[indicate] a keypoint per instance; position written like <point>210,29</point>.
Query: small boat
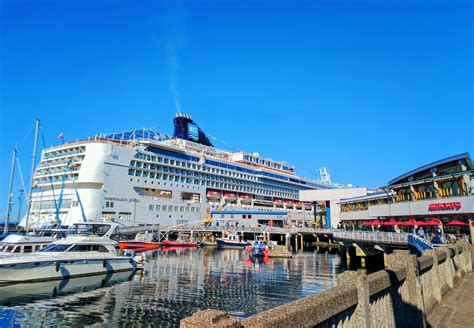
<point>213,195</point>
<point>138,246</point>
<point>245,199</point>
<point>230,197</point>
<point>86,251</point>
<point>176,243</point>
<point>231,241</point>
<point>207,243</point>
<point>258,248</point>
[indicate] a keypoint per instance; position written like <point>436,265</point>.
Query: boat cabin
<point>22,244</point>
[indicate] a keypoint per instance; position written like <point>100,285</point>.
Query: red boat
<point>138,245</point>
<point>174,243</point>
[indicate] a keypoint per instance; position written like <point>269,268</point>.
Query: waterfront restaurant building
<point>443,189</point>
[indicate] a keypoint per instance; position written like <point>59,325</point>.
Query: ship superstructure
<point>145,177</point>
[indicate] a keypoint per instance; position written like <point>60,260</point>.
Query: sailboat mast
<point>32,174</point>
<point>10,194</point>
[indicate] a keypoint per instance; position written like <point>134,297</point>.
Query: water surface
<point>176,284</point>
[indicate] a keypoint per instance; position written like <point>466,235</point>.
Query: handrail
<point>373,236</point>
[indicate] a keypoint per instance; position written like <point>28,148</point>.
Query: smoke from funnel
<point>174,35</point>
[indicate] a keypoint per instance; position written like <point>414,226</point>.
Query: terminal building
<point>443,189</point>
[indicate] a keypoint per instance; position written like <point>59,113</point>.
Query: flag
<point>61,136</point>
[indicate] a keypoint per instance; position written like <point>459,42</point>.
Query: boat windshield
<point>55,248</point>
<point>89,229</point>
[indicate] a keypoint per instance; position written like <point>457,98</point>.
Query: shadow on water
<point>176,283</point>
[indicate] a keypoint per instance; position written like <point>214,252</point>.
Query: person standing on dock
<point>421,232</point>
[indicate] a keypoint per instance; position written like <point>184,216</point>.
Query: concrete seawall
<point>399,296</point>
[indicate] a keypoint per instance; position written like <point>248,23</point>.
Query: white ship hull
<point>62,269</point>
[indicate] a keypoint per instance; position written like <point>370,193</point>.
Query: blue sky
<point>369,89</point>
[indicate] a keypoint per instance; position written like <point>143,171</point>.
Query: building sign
<point>444,206</point>
<point>193,132</point>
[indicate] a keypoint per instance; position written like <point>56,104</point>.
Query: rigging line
<point>26,136</point>
<point>21,175</point>
<point>48,169</point>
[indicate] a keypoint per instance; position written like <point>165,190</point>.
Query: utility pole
<point>10,194</point>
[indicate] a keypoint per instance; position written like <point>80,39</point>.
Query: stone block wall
<point>398,296</point>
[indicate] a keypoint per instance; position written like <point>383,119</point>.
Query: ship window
<point>100,249</point>
<point>55,248</point>
<point>150,207</point>
<point>80,248</point>
<point>157,207</point>
<point>27,249</point>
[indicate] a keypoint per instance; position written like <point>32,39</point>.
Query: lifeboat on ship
<point>213,195</point>
<point>278,202</point>
<point>298,205</point>
<point>230,197</point>
<point>245,199</point>
<point>289,203</point>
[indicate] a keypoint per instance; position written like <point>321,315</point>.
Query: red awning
<point>457,223</point>
<point>434,222</point>
<point>391,222</point>
<point>420,223</point>
<point>410,222</point>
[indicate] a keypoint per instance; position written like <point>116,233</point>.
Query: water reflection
<point>177,283</point>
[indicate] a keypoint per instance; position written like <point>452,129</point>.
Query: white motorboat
<point>86,251</point>
<point>16,244</point>
<point>23,244</point>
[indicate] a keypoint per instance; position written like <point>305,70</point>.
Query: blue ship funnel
<point>185,128</point>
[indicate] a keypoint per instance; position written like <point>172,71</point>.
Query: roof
<point>250,212</point>
<point>463,156</point>
<point>377,195</point>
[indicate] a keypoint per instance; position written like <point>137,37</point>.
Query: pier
<point>358,248</point>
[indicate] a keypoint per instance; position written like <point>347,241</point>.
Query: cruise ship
<point>145,177</point>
